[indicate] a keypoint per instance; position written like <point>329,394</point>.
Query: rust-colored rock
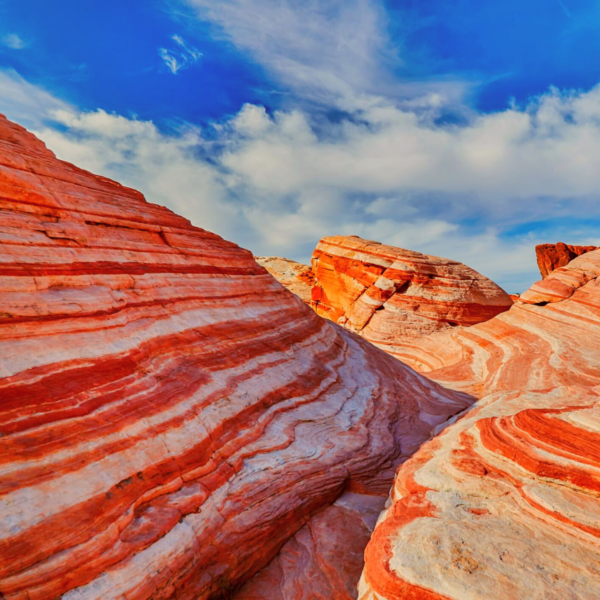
<point>294,276</point>
<point>308,566</point>
<point>553,256</point>
<point>505,503</point>
<point>170,416</point>
<point>387,294</point>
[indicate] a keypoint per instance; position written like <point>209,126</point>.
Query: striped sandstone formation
<point>296,277</point>
<point>505,503</point>
<point>387,294</point>
<point>553,256</point>
<point>169,415</point>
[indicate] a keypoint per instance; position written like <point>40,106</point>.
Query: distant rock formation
<point>505,503</point>
<point>553,256</point>
<point>386,293</point>
<point>170,416</point>
<point>296,277</point>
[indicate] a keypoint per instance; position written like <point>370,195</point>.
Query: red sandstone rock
<point>505,502</point>
<point>296,277</point>
<point>386,293</point>
<point>308,566</point>
<point>562,282</point>
<point>170,416</point>
<point>553,256</point>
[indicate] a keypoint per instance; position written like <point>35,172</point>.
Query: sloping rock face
<point>169,415</point>
<point>296,277</point>
<point>386,293</point>
<point>309,566</point>
<point>505,503</point>
<point>553,256</point>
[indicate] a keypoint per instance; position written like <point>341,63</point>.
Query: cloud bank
<point>353,150</point>
<point>276,183</point>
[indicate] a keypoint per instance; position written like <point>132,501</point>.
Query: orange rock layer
<point>170,416</point>
<point>296,277</point>
<point>505,503</point>
<point>553,256</point>
<point>386,293</point>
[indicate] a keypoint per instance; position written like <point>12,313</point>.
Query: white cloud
<point>548,149</point>
<point>276,183</point>
<point>182,56</point>
<point>24,102</point>
<point>14,41</point>
<point>316,47</point>
<point>335,52</point>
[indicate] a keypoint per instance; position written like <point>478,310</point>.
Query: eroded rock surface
<point>308,566</point>
<point>387,294</point>
<point>505,503</point>
<point>296,277</point>
<point>553,256</point>
<point>170,416</point>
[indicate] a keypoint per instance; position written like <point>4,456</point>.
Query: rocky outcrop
<point>388,294</point>
<point>505,503</point>
<point>553,256</point>
<point>296,277</point>
<point>170,416</point>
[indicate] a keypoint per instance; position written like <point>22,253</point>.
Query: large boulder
<point>387,294</point>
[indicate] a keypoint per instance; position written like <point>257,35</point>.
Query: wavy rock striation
<point>296,277</point>
<point>553,256</point>
<point>505,503</point>
<point>386,293</point>
<point>169,415</point>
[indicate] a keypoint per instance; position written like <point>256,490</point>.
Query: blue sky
<point>465,129</point>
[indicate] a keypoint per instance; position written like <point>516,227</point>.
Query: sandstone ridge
<point>505,502</point>
<point>294,276</point>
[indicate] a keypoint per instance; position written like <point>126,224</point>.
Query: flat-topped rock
<point>386,293</point>
<point>553,256</point>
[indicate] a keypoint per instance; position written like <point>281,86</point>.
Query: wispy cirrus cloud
<point>335,52</point>
<point>14,41</point>
<point>180,56</point>
<point>318,48</point>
